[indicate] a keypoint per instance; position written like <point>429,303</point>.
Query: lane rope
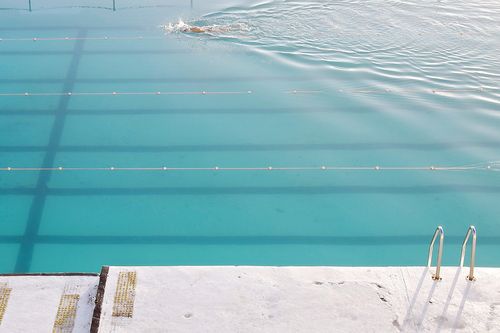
<point>118,93</point>
<point>246,92</point>
<point>46,39</point>
<point>486,166</point>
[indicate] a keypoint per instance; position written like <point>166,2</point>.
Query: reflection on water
<point>338,83</point>
<point>441,44</point>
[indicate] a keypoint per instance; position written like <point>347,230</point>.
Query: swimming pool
<point>311,133</point>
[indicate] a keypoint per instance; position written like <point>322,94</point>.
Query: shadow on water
<point>25,255</point>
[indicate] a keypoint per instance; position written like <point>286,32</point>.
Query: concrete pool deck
<point>259,299</point>
<point>47,302</point>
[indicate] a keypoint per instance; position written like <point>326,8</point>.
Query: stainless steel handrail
<point>471,230</point>
<point>439,231</point>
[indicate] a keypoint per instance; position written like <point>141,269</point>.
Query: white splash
<point>180,26</point>
<point>213,29</point>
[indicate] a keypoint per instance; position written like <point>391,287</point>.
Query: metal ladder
<point>440,232</point>
<point>471,230</point>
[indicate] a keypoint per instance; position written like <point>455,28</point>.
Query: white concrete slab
<point>305,299</point>
<point>34,301</point>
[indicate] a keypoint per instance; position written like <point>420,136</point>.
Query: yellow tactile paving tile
<point>123,304</point>
<point>4,299</point>
<point>66,313</point>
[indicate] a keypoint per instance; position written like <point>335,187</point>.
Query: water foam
<point>235,29</point>
<point>176,27</point>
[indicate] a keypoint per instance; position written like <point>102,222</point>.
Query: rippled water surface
<point>284,133</point>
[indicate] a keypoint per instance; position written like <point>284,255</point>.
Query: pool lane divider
<point>116,93</point>
<point>248,92</point>
<point>45,39</point>
<point>486,166</point>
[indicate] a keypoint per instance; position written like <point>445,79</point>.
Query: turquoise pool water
<point>282,84</point>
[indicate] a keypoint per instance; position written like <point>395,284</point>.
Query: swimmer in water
<point>197,30</point>
<point>185,28</point>
<point>200,30</point>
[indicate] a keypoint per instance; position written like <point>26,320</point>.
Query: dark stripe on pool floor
<point>246,240</point>
<point>256,147</point>
<point>25,255</point>
<point>251,190</point>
